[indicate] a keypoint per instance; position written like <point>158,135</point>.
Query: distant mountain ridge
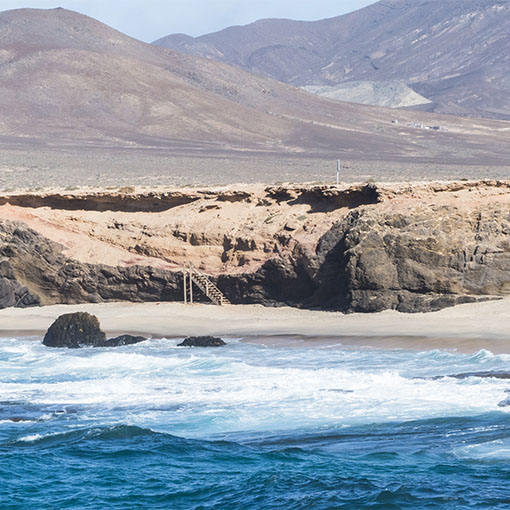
<point>454,53</point>
<point>69,80</point>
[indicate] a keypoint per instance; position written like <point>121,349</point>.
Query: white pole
<point>338,172</point>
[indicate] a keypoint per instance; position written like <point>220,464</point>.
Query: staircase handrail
<point>210,286</point>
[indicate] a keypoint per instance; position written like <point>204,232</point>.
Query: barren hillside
<point>68,80</point>
<point>455,53</point>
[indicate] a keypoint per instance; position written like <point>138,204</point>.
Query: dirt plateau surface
<point>360,248</point>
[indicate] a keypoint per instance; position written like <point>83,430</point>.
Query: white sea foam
<point>490,451</point>
<point>31,438</point>
<point>244,387</point>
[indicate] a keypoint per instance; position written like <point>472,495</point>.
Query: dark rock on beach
<point>75,330</point>
<point>123,340</point>
<point>202,341</point>
<point>81,329</point>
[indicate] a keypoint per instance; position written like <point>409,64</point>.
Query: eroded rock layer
<point>365,248</point>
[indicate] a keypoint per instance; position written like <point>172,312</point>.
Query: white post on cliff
<point>337,172</point>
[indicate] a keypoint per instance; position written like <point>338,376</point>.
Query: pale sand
<point>466,328</point>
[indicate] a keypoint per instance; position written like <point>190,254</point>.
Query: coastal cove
<point>356,248</point>
<point>266,268</point>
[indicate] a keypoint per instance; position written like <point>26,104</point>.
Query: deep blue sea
<point>245,427</point>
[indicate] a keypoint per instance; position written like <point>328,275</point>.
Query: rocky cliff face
<point>35,271</point>
<point>423,259</point>
<point>371,248</point>
<point>413,263</point>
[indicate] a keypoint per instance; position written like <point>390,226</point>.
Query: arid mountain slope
<point>66,79</point>
<point>65,74</point>
<point>455,53</point>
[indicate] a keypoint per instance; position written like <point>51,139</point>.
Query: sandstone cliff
<point>365,248</point>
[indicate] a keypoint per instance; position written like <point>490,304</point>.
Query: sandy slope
<point>234,228</point>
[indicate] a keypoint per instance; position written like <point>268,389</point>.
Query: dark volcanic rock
<point>75,330</point>
<point>481,375</point>
<point>279,282</point>
<point>202,341</point>
<point>81,329</point>
<point>12,293</point>
<point>425,261</point>
<point>53,278</point>
<point>506,401</point>
<point>123,340</point>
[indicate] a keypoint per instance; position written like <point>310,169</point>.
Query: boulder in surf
<point>202,341</point>
<point>81,329</point>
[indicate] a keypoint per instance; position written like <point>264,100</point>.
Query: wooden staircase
<point>194,276</point>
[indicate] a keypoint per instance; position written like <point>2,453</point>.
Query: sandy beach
<point>465,328</point>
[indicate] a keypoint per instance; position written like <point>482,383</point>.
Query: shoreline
<point>465,328</point>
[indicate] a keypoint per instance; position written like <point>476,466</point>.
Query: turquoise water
<point>250,427</point>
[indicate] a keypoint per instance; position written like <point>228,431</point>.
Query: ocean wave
<point>122,440</point>
<point>248,388</point>
<point>112,433</point>
<point>498,450</point>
